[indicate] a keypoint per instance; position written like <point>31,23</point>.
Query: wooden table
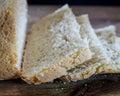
<point>100,85</point>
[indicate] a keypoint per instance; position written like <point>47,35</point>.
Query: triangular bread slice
<point>99,59</point>
<point>112,43</point>
<point>13,19</point>
<point>53,47</point>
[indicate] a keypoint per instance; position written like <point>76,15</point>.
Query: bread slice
<point>53,47</point>
<point>13,20</point>
<point>112,43</point>
<point>99,59</point>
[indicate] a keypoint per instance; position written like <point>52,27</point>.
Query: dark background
<point>75,2</point>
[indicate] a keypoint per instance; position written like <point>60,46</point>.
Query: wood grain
<point>99,85</point>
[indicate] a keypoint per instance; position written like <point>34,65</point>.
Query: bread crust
<point>8,46</point>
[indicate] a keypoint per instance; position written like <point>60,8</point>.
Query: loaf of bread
<point>13,18</point>
<point>58,45</point>
<point>54,46</point>
<point>100,57</point>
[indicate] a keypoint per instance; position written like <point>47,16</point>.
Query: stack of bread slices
<point>59,45</point>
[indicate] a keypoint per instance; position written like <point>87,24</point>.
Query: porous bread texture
<point>112,44</point>
<point>53,47</point>
<point>99,58</point>
<point>108,31</point>
<point>12,34</point>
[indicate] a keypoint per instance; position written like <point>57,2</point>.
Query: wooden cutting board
<point>98,85</point>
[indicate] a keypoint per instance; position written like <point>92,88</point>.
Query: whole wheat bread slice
<point>13,19</point>
<point>99,59</point>
<point>53,47</point>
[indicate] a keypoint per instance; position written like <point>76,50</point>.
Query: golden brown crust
<point>8,46</point>
<point>59,69</point>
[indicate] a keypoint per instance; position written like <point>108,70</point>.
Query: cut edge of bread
<point>56,70</point>
<point>21,25</point>
<point>112,43</point>
<point>107,35</point>
<point>89,68</point>
<point>111,29</point>
<point>60,68</point>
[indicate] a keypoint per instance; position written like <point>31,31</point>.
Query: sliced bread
<point>13,18</point>
<point>99,59</point>
<point>54,46</point>
<point>112,44</point>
